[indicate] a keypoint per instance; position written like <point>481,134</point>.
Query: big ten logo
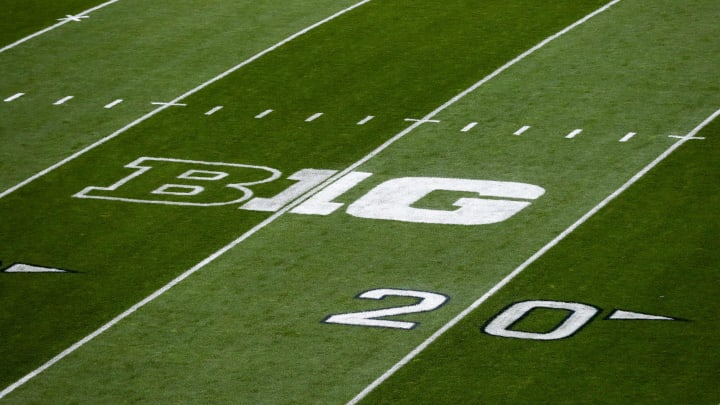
<point>184,182</point>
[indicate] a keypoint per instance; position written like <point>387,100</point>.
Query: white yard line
<point>176,101</point>
<point>282,211</point>
<point>497,287</point>
<point>63,21</point>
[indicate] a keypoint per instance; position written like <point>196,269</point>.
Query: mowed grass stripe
<point>652,250</point>
<point>216,226</point>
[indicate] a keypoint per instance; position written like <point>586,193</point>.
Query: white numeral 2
<point>428,302</point>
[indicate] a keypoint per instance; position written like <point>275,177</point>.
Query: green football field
<point>466,201</point>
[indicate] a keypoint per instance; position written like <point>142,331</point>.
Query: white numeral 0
<point>580,315</point>
<point>428,302</point>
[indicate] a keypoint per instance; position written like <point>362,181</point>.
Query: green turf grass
<point>248,326</point>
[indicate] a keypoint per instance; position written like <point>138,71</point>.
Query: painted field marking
<point>365,120</point>
<point>627,136</point>
<point>686,137</point>
<point>497,287</point>
<point>63,100</point>
<point>214,110</point>
<point>76,18</point>
<point>468,127</point>
<point>263,114</point>
<point>177,280</point>
<point>573,134</point>
<point>14,97</point>
<point>29,268</point>
<point>422,120</point>
<point>113,103</point>
<point>67,19</point>
<point>168,104</point>
<point>313,117</point>
<point>620,314</point>
<point>521,130</point>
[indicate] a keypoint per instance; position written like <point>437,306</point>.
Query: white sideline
<point>405,360</point>
<point>176,100</point>
<point>56,25</point>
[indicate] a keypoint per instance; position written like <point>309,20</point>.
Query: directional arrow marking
<point>620,314</point>
<point>29,268</point>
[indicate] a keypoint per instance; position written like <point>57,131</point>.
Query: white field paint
<point>144,164</point>
<point>76,18</point>
<point>264,113</point>
<point>627,136</point>
<point>214,110</point>
<point>317,189</point>
<point>321,202</point>
<point>422,120</point>
<point>685,136</point>
<point>429,301</point>
<point>468,127</point>
<point>497,287</point>
<point>29,268</point>
<point>307,179</point>
<point>14,97</point>
<point>313,117</point>
<point>637,316</point>
<point>179,98</point>
<point>521,130</point>
<point>113,103</point>
<point>63,21</point>
<point>394,200</point>
<point>573,134</point>
<point>168,104</point>
<point>365,120</point>
<point>63,100</point>
<point>580,315</point>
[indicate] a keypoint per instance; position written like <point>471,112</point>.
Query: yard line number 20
<point>578,315</point>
